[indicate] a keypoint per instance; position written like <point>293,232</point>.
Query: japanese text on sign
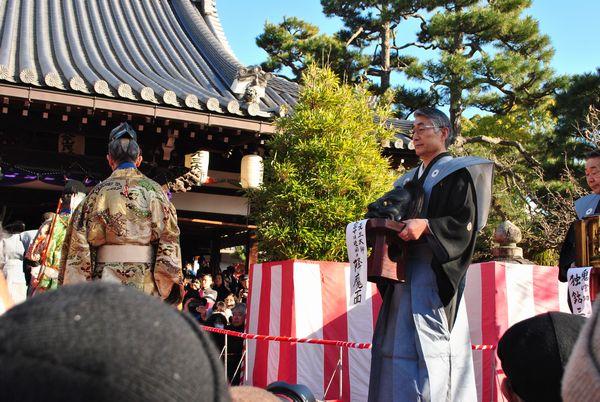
<point>579,290</point>
<point>356,241</point>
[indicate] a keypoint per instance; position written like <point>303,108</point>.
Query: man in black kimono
<point>421,343</point>
<point>584,206</point>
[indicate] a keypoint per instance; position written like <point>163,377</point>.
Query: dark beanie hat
<point>534,352</point>
<point>101,341</point>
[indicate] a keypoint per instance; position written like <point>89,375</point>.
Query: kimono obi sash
<point>125,253</point>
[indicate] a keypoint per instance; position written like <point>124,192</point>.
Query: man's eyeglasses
<point>419,130</point>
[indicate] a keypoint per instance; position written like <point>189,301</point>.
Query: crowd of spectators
<point>218,300</point>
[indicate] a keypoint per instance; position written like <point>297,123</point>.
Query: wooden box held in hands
<point>382,234</point>
<point>587,249</point>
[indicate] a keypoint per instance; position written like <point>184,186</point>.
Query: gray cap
<point>101,341</point>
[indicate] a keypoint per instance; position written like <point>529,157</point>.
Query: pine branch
<point>499,141</point>
<point>354,35</point>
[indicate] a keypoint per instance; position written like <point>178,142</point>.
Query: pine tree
<point>490,57</point>
<point>293,44</point>
<point>373,25</point>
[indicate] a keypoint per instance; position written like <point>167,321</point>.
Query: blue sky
<point>572,27</point>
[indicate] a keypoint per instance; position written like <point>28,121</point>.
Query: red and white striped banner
<point>305,299</point>
<point>499,295</point>
<point>310,300</point>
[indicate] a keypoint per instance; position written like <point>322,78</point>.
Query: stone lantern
<point>507,235</point>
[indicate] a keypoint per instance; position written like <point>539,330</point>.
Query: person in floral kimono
<point>46,248</point>
<point>126,229</point>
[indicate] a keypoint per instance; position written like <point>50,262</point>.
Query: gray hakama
<point>418,355</point>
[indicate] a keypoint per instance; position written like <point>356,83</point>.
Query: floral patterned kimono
<point>46,249</point>
<point>126,231</point>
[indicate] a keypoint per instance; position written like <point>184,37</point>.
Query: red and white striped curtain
<point>311,299</point>
<point>497,296</point>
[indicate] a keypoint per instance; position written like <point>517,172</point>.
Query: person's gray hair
<point>439,120</point>
<point>241,307</point>
<point>123,150</point>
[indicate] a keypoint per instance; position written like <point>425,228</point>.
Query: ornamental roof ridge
<point>208,9</point>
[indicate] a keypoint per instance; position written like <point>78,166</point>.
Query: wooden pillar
<point>215,255</point>
<point>251,250</point>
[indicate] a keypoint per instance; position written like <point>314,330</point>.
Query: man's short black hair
<point>594,153</point>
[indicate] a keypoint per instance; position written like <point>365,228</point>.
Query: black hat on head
<point>100,341</point>
<point>534,352</point>
<point>123,130</point>
<point>73,187</point>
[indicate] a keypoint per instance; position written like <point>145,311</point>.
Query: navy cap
<point>122,130</point>
<point>534,352</point>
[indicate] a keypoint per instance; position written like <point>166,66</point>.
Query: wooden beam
<point>210,119</point>
<point>216,223</point>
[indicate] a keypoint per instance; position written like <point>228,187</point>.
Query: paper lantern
<point>198,164</point>
<point>251,171</point>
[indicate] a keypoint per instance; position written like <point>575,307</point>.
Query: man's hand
<point>413,229</point>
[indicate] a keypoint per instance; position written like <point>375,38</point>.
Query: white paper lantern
<point>198,164</point>
<point>251,171</point>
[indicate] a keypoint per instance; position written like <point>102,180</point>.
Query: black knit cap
<point>100,341</point>
<point>534,353</point>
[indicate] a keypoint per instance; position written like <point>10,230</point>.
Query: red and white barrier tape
<point>353,345</point>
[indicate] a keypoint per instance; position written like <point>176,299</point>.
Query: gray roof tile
<point>163,52</point>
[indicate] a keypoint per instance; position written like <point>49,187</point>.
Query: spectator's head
<point>123,146</point>
<point>217,320</point>
<point>73,193</point>
<point>230,301</point>
<point>218,280</point>
<point>219,307</point>
<point>15,227</point>
<point>245,281</point>
<point>198,307</point>
<point>238,317</point>
<point>581,381</point>
<point>206,281</point>
<point>195,284</point>
<point>592,170</point>
<point>534,352</point>
<point>102,341</point>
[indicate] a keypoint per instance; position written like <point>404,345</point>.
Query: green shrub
<point>323,168</point>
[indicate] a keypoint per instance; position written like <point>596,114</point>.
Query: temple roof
<point>163,52</point>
